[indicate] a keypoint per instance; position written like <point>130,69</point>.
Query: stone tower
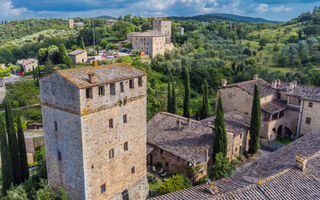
<point>95,131</point>
<point>71,23</point>
<point>163,26</point>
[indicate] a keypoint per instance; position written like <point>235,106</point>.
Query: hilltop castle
<point>95,131</point>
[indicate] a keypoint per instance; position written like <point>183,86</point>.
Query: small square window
<point>112,89</point>
<point>308,120</point>
<point>140,81</point>
<point>131,83</point>
<point>167,164</point>
<point>110,123</point>
<point>101,90</point>
<point>236,149</point>
<point>103,188</point>
<point>121,87</point>
<point>89,93</point>
<point>111,153</point>
<point>240,135</point>
<point>161,151</point>
<point>59,156</point>
<point>55,126</point>
<point>125,119</point>
<point>133,170</point>
<point>126,146</point>
<point>310,104</point>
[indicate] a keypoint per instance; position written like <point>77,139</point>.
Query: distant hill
<point>222,16</point>
<point>105,17</point>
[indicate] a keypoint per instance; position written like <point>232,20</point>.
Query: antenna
<point>94,42</point>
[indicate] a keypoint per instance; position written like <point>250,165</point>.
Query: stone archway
<point>288,132</point>
<point>279,131</point>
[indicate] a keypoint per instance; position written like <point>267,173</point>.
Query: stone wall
<point>2,94</point>
<point>237,142</point>
<point>310,112</point>
<point>163,26</point>
<point>57,92</point>
<point>99,139</point>
<point>68,172</point>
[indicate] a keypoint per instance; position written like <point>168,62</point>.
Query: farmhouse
<point>78,56</point>
<point>28,64</point>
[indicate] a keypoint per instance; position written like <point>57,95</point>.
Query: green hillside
<point>20,28</point>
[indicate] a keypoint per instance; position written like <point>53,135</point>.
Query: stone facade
<point>95,135</point>
<point>163,26</point>
<point>155,41</point>
<point>78,56</point>
<point>110,22</point>
<point>2,91</point>
<point>286,108</point>
<point>28,64</point>
<point>33,139</point>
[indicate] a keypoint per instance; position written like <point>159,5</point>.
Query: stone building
<point>292,172</point>
<point>163,26</point>
<point>73,24</point>
<point>94,121</point>
<point>110,22</point>
<point>179,143</point>
<point>28,64</point>
<point>287,109</point>
<point>2,66</point>
<point>181,30</point>
<point>78,56</point>
<point>2,91</point>
<point>155,41</point>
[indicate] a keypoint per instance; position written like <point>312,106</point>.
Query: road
<point>14,78</point>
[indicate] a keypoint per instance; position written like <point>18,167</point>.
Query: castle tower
<point>95,131</point>
<point>71,23</point>
<point>163,26</point>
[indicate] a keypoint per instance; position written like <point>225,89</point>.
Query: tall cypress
<point>65,59</point>
<point>23,151</point>
<point>204,112</point>
<point>169,108</point>
<point>13,143</point>
<point>174,98</point>
<point>6,164</point>
<point>82,43</point>
<point>186,102</point>
<point>255,122</point>
<point>220,140</point>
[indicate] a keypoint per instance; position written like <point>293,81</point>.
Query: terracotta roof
<point>273,107</point>
<point>189,142</point>
<point>76,52</point>
<point>104,74</point>
<point>273,176</point>
<point>306,92</point>
<point>150,33</point>
<point>248,86</point>
<point>236,122</point>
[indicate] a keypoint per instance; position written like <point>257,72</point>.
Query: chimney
<point>92,77</point>
<point>55,69</point>
<point>274,84</point>
<point>189,121</point>
<point>301,162</point>
<point>178,124</point>
<point>295,83</point>
<point>224,82</point>
<point>95,63</point>
<point>256,77</point>
<point>291,86</point>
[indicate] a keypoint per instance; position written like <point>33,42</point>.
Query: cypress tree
<point>65,59</point>
<point>82,43</point>
<point>186,102</point>
<point>169,108</point>
<point>23,151</point>
<point>255,122</point>
<point>174,99</point>
<point>204,112</point>
<point>6,164</point>
<point>13,143</point>
<point>220,141</point>
<point>33,74</point>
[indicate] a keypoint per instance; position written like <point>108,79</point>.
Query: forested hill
<point>20,28</point>
<point>223,16</point>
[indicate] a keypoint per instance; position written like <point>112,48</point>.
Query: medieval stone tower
<point>95,131</point>
<point>163,26</point>
<point>71,23</point>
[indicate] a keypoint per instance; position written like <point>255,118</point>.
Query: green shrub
<point>221,168</point>
<point>175,183</point>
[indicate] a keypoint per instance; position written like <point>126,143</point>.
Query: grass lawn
<point>154,187</point>
<point>284,140</point>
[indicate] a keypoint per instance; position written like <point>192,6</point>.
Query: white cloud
<point>8,11</point>
<point>280,8</point>
<point>262,7</point>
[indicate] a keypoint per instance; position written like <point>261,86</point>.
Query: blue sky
<point>280,10</point>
